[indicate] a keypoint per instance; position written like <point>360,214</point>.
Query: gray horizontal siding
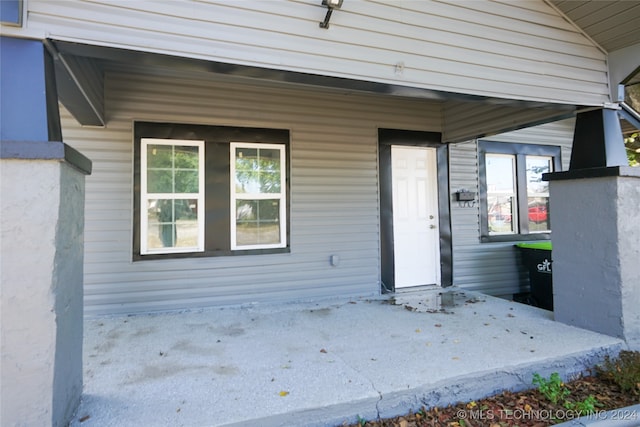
<point>493,268</point>
<point>334,193</point>
<point>515,50</point>
<point>558,133</point>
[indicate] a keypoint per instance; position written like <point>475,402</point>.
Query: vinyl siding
<point>334,192</point>
<point>513,50</point>
<point>493,268</point>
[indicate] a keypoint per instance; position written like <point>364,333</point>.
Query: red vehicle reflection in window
<point>538,213</point>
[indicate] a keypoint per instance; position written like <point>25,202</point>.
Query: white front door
<point>416,238</point>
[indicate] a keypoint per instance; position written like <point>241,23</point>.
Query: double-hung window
<point>172,196</point>
<point>514,199</point>
<point>209,190</point>
<point>257,196</point>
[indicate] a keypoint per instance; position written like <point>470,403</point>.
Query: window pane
<point>270,182</point>
<point>172,169</point>
<point>500,173</point>
<point>538,214</point>
<point>186,157</point>
<point>538,193</point>
<point>172,223</point>
<point>160,181</point>
<point>247,173</point>
<point>186,181</point>
<point>257,222</point>
<point>500,217</point>
<point>246,159</point>
<point>501,194</point>
<point>257,170</point>
<point>536,166</point>
<point>159,156</point>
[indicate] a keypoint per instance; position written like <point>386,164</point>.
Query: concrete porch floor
<point>322,363</point>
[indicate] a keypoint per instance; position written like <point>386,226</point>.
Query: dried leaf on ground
<point>527,408</point>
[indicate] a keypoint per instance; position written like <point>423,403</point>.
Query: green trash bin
<point>537,258</point>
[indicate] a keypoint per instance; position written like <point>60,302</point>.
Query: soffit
<point>611,24</point>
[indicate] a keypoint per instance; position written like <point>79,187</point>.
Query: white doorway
<point>416,236</point>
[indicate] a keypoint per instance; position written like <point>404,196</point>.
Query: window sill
<point>209,254</point>
<point>515,237</point>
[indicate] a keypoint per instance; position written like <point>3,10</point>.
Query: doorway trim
<point>386,139</point>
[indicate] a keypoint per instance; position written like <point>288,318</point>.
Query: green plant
<point>585,407</point>
<point>552,388</point>
<point>623,371</point>
<point>361,421</point>
<point>557,393</point>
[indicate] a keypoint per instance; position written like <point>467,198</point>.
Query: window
<point>172,196</point>
<point>501,193</point>
<point>257,196</point>
<point>209,191</point>
<point>514,198</point>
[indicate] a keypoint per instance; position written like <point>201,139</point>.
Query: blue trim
<point>23,105</point>
<point>11,12</point>
<point>45,150</point>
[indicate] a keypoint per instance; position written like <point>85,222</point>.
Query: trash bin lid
<point>546,245</point>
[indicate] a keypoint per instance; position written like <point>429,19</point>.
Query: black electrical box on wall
<point>465,196</point>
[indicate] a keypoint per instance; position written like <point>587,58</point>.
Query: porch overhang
<point>80,80</point>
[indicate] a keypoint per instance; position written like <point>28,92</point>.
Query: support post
<point>42,245</point>
<point>597,140</point>
<point>596,229</point>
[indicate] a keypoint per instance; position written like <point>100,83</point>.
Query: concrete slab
<point>322,363</point>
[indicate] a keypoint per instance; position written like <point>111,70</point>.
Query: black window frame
<point>217,216</point>
<point>520,151</point>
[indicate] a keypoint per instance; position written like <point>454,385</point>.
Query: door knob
<point>432,226</point>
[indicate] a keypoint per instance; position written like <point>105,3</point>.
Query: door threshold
<point>425,299</point>
<point>420,288</point>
